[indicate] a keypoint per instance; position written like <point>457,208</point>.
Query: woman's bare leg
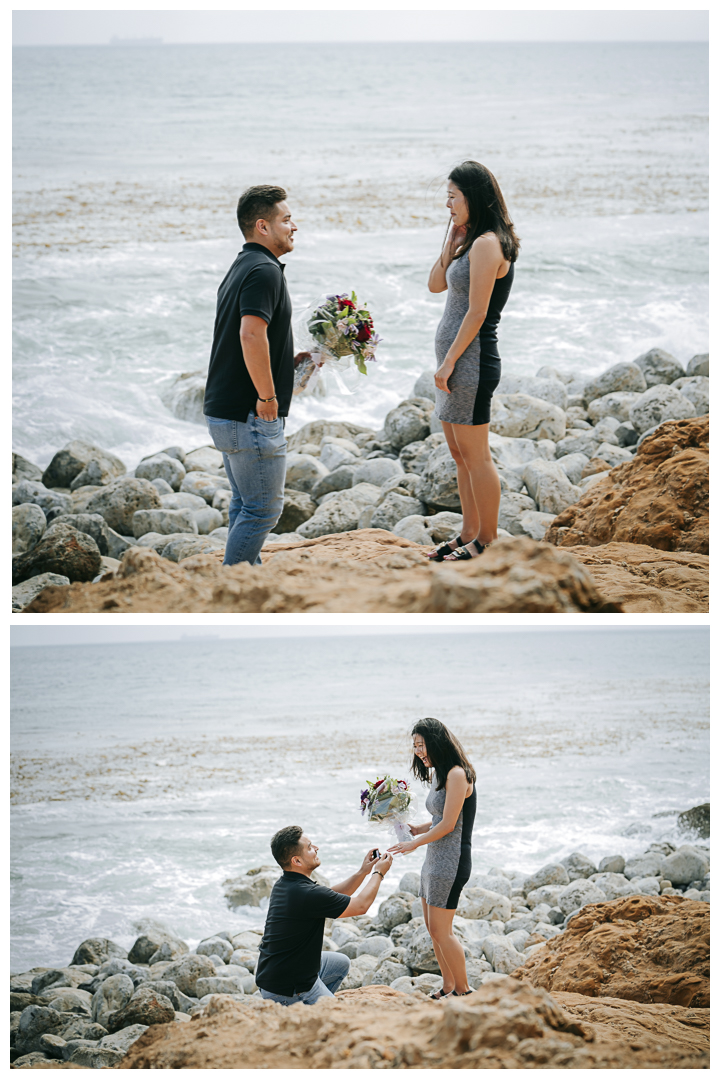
<point>445,970</point>
<point>470,512</point>
<point>447,946</point>
<point>474,449</point>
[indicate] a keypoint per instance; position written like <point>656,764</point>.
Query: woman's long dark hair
<point>444,752</point>
<point>487,209</point>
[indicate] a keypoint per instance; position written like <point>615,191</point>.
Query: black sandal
<point>461,554</point>
<point>444,549</point>
<point>438,995</point>
<point>465,993</point>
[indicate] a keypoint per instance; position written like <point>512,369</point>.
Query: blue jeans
<point>333,969</point>
<point>254,454</point>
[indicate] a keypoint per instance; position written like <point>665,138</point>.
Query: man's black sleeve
<point>260,292</point>
<point>323,902</point>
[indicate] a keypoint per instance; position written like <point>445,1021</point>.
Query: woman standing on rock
<point>439,759</point>
<point>477,268</point>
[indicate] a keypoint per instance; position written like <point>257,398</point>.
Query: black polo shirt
<point>291,946</point>
<point>254,285</point>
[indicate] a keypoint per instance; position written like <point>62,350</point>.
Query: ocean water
<point>144,776</point>
<point>128,163</point>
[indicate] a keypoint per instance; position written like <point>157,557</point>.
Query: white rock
<point>205,459</point>
<point>659,367</point>
<point>376,471</point>
<point>512,506</point>
<point>534,523</point>
<point>335,516</point>
<point>579,893</point>
<point>699,364</point>
<point>697,390</point>
<point>549,486</point>
<point>614,455</point>
<point>413,528</point>
<point>658,404</point>
<point>520,415</point>
<point>378,945</point>
<point>443,526</point>
<point>162,467</point>
<point>477,903</point>
<point>393,508</point>
<point>572,465</point>
<point>333,455</point>
<point>552,389</point>
<point>617,404</point>
<point>303,471</point>
<point>626,377</point>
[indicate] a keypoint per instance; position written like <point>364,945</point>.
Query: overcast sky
<point>65,634</point>
<point>48,27</point>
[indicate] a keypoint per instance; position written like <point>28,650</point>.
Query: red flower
<point>344,302</point>
<point>364,333</point>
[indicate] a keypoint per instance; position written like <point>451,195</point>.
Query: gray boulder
<point>420,954</point>
<point>659,367</point>
<point>376,945</point>
<point>544,894</point>
<point>69,462</point>
<point>102,469</point>
<point>94,1057</point>
<point>612,864</point>
<point>658,404</point>
<point>413,527</point>
<point>410,883</point>
<point>578,866</point>
<point>62,550</point>
<point>699,365</point>
<point>36,1021</point>
<point>207,520</point>
<point>303,472</point>
<point>534,523</point>
<point>523,416</point>
<point>438,486</point>
<point>684,865</point>
<point>425,386</point>
<point>393,508</point>
<point>614,455</point>
<point>185,500</point>
<point>112,995</point>
<point>22,469</point>
<point>617,404</point>
<point>612,884</point>
<point>478,903</point>
<point>645,865</point>
<point>393,911</point>
<point>573,465</point>
<point>249,889</point>
<point>492,882</point>
<point>376,471</point>
<point>336,452</point>
<point>162,467</point>
<point>145,1007</point>
<point>121,1041</point>
<point>546,389</point>
<point>550,874</point>
<point>336,516</point>
<point>205,459</point>
<point>184,546</point>
<point>697,390</point>
<point>506,958</point>
<point>386,972</point>
<point>186,972</point>
<point>186,395</point>
<point>619,377</point>
<point>161,486</point>
<point>512,506</point>
<point>696,820</point>
<point>31,491</point>
<point>97,951</point>
<point>409,422</point>
<point>164,522</point>
<point>92,525</point>
<point>414,456</point>
<point>579,893</point>
<point>118,502</point>
<point>339,479</point>
<point>205,484</point>
<point>24,593</point>
<point>28,525</point>
<point>147,944</point>
<point>216,945</point>
<point>549,486</point>
<point>626,434</point>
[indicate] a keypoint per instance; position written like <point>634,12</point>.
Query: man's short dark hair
<point>286,843</point>
<point>258,202</point>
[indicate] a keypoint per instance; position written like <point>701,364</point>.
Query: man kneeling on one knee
<point>292,966</point>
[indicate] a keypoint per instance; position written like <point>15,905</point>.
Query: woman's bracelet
<point>378,873</point>
<point>268,398</point>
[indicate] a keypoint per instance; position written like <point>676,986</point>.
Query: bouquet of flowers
<point>342,335</point>
<point>388,802</point>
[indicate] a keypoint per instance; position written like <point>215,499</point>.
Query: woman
<point>477,268</point>
<point>439,757</point>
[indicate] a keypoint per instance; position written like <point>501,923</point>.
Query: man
<point>250,378</point>
<point>292,966</point>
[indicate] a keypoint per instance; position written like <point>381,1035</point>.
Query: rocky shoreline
<point>553,438</point>
<point>92,1012</point>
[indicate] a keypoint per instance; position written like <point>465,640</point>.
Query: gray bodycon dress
<point>448,861</point>
<point>477,372</point>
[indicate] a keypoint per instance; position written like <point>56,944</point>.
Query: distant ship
<point>115,40</point>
